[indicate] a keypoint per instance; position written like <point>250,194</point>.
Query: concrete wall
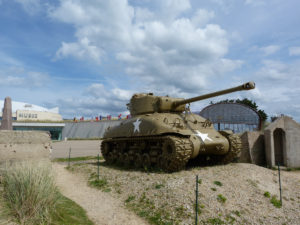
<point>22,145</point>
<point>87,129</point>
<point>291,142</point>
<point>253,148</point>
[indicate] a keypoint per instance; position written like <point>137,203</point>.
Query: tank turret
<point>160,134</point>
<point>149,103</point>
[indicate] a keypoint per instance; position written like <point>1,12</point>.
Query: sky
<point>88,57</point>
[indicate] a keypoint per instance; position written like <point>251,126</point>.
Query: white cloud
<point>15,74</point>
<point>294,51</point>
<point>164,51</point>
<point>21,78</point>
<point>202,17</point>
<point>81,50</point>
<point>97,100</point>
<point>278,85</point>
<point>274,70</point>
<point>269,50</point>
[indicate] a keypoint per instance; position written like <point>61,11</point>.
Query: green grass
<point>82,139</point>
<point>293,169</point>
<point>75,159</point>
<point>221,198</point>
<point>215,221</point>
<point>267,194</point>
<point>100,183</point>
<point>68,212</point>
<point>145,208</point>
<point>275,202</point>
<point>159,186</point>
<point>130,198</point>
<point>28,195</point>
<point>218,183</point>
<point>29,192</point>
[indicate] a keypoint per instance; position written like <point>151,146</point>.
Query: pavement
<point>78,148</point>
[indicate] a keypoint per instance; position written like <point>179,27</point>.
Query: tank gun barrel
<point>245,86</point>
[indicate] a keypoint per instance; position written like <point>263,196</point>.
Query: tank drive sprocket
<point>235,148</point>
<point>176,152</point>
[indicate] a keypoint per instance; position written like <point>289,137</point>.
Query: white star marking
<point>202,136</point>
<point>136,125</point>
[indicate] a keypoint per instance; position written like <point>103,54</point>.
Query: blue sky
<point>88,57</point>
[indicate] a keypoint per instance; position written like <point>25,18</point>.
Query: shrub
<point>275,202</point>
<point>130,198</point>
<point>29,192</point>
<point>267,194</point>
<point>158,186</point>
<point>218,183</point>
<point>221,198</point>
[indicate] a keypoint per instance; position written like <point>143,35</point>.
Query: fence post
<point>279,184</point>
<point>196,207</point>
<point>98,165</point>
<point>69,157</point>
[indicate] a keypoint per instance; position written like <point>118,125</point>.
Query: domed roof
<point>27,106</point>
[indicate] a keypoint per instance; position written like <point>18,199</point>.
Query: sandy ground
<point>101,208</point>
<point>242,185</point>
<point>78,148</point>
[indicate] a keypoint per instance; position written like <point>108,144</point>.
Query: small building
<point>282,143</point>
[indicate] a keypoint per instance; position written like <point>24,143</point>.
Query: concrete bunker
<point>282,143</point>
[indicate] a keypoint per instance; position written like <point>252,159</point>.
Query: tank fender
<point>196,145</point>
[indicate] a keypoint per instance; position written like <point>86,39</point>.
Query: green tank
<point>163,133</point>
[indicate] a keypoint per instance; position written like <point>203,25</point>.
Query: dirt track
<point>101,208</point>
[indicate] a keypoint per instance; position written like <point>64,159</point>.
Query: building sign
<point>28,115</point>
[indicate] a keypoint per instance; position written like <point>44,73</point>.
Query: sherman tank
<point>163,133</point>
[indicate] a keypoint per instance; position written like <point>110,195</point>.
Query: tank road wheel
<point>120,158</point>
<point>176,153</point>
<point>138,162</point>
<point>104,149</point>
<point>160,162</point>
<point>126,159</point>
<point>110,159</point>
<point>235,148</point>
<point>169,148</point>
<point>146,161</point>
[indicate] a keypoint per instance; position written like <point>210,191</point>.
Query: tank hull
<point>163,133</point>
<point>164,140</point>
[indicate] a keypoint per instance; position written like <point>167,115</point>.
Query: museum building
<point>32,117</point>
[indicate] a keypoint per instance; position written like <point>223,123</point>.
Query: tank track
<point>169,153</point>
<point>235,149</point>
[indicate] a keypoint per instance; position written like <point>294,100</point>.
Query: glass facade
<point>56,132</point>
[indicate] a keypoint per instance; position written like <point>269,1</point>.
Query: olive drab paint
<point>163,133</point>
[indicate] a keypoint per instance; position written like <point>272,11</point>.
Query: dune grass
<point>29,192</point>
<point>29,196</point>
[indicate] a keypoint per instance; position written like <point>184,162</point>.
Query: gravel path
<point>101,208</point>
